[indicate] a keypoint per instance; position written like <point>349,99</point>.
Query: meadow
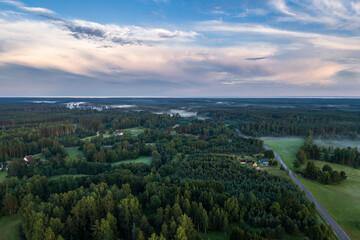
<point>10,227</point>
<point>141,159</point>
<point>341,201</point>
<point>74,152</point>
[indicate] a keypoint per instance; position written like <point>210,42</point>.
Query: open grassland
<point>38,157</point>
<point>133,131</point>
<point>286,148</point>
<point>74,152</point>
<point>10,228</point>
<point>142,159</point>
<point>341,201</point>
<point>3,176</point>
<point>277,172</point>
<point>213,236</point>
<point>105,135</point>
<point>66,175</point>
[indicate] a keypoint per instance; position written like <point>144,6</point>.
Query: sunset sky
<point>200,48</point>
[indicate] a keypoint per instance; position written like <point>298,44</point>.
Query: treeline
<point>345,156</point>
<point>324,176</point>
<point>285,121</point>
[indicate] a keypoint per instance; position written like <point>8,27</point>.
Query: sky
<point>178,48</point>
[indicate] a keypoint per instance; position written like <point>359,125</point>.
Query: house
<point>264,162</point>
<point>197,137</point>
<point>243,161</point>
<point>27,159</point>
<point>254,164</point>
<point>119,132</point>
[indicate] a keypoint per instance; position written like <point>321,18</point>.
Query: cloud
<point>252,12</point>
<point>22,6</point>
<point>335,14</point>
<point>161,1</point>
<point>281,6</point>
<point>179,60</point>
<point>322,40</point>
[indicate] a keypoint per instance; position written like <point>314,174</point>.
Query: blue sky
<point>202,48</point>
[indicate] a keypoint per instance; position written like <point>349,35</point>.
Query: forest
<point>195,183</point>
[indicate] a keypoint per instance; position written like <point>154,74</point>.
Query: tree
<point>296,163</point>
<point>275,208</point>
<point>155,202</point>
<point>17,168</point>
<point>343,175</point>
<point>180,234</point>
<point>311,171</point>
<point>325,178</point>
<point>301,156</point>
<point>335,177</point>
<point>327,168</point>
<point>101,129</point>
<point>269,154</point>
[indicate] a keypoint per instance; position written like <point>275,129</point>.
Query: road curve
<point>340,233</point>
<point>336,228</point>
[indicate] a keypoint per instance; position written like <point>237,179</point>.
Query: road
<point>336,228</point>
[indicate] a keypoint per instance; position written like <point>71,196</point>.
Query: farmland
<point>341,201</point>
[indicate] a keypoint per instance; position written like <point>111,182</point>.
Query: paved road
<point>337,229</point>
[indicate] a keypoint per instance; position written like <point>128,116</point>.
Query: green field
<point>73,152</point>
<point>105,135</point>
<point>133,131</point>
<point>66,175</point>
<point>10,227</point>
<point>38,157</point>
<point>213,236</point>
<point>142,159</point>
<point>341,201</point>
<point>287,147</point>
<point>3,176</point>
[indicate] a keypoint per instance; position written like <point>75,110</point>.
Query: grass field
<point>133,131</point>
<point>73,152</point>
<point>9,228</point>
<point>213,236</point>
<point>38,156</point>
<point>66,175</point>
<point>287,147</point>
<point>3,176</point>
<point>341,201</point>
<point>142,159</point>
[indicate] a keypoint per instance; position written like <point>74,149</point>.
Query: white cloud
<point>336,14</point>
<point>132,53</point>
<point>251,12</point>
<point>322,40</point>
<point>22,6</point>
<point>281,6</point>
